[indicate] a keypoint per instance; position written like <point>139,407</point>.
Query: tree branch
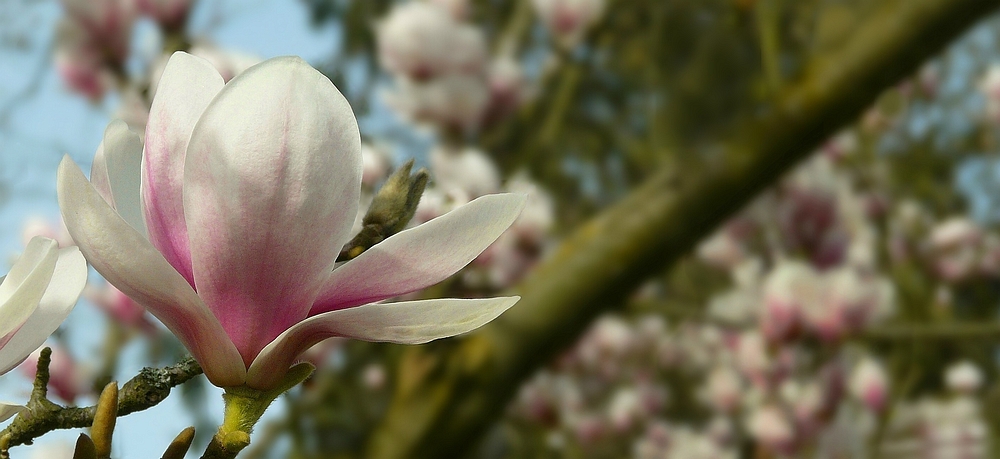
<point>449,393</point>
<point>147,389</point>
<point>968,331</point>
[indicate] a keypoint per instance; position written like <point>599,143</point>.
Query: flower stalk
<point>244,407</point>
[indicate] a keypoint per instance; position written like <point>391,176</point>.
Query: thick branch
<point>147,389</point>
<point>449,394</point>
<point>976,331</point>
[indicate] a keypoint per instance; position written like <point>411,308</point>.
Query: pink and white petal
<point>68,280</point>
<point>422,256</point>
<point>188,84</point>
<point>122,157</point>
<point>409,322</point>
<point>271,190</point>
<point>99,175</point>
<point>23,287</point>
<point>8,410</point>
<point>129,262</point>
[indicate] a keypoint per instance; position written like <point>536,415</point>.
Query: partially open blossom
<point>423,40</point>
<point>248,192</point>
<point>509,88</point>
<point>723,389</point>
<point>106,23</point>
<point>568,20</point>
<point>791,288</point>
<point>467,170</point>
<point>964,377</point>
<point>869,383</point>
<point>81,63</point>
<point>92,44</point>
<point>770,426</point>
<point>454,101</point>
<point>376,165</point>
<point>721,250</point>
<point>35,297</point>
<point>957,248</point>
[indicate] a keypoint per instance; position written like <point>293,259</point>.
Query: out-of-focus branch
<point>974,331</point>
<point>146,390</point>
<point>450,393</point>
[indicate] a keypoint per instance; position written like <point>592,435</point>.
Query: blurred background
<point>755,229</point>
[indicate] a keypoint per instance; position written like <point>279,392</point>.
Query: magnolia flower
<point>453,101</point>
<point>106,25</point>
<point>964,377</point>
<point>957,247</point>
<point>376,165</point>
<point>869,383</point>
<point>248,191</point>
<point>466,170</point>
<point>723,389</point>
<point>35,297</point>
<point>569,19</point>
<point>422,40</point>
<point>790,289</point>
<point>770,426</point>
<point>81,62</point>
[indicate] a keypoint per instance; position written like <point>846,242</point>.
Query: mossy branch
<point>449,394</point>
<point>147,389</point>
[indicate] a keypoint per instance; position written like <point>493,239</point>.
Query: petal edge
<point>408,322</point>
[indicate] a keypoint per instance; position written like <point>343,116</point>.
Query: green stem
<point>244,407</point>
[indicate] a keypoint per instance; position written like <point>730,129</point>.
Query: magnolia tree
<point>676,229</point>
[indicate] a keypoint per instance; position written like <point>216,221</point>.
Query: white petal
<point>271,188</point>
<point>422,256</point>
<point>128,261</point>
<point>188,84</point>
<point>99,175</point>
<point>7,410</point>
<point>24,285</point>
<point>409,322</point>
<point>122,157</point>
<point>68,280</point>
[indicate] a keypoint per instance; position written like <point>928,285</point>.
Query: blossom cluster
<point>775,357</point>
<point>444,75</point>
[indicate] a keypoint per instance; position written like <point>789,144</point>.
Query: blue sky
<point>40,121</point>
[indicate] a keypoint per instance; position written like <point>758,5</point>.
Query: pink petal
<point>271,190</point>
<point>24,285</point>
<point>409,322</point>
<point>188,84</point>
<point>422,256</point>
<point>68,280</point>
<point>128,261</point>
